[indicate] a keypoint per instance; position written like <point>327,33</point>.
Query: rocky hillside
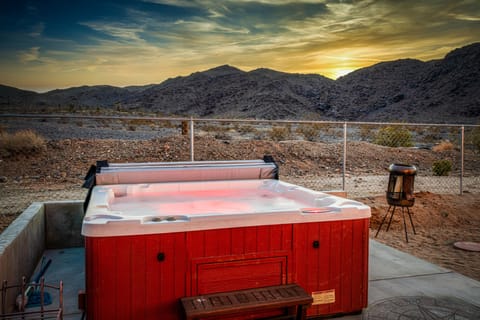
<point>438,91</point>
<point>446,90</point>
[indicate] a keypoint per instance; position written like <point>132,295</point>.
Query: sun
<point>340,72</point>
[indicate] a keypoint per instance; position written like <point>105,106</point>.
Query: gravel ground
<point>57,173</point>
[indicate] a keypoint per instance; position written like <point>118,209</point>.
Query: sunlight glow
<point>340,72</point>
<point>142,42</point>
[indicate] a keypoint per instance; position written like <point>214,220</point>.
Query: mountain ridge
<point>437,91</point>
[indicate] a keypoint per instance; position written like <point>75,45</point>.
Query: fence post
<point>344,155</point>
<point>192,156</point>
<point>462,152</point>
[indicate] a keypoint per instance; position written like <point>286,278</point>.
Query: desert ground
<point>56,172</point>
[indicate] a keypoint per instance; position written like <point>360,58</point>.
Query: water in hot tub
<point>206,199</point>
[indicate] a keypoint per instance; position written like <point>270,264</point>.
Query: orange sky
<point>63,44</point>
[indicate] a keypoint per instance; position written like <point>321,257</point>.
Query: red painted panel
<point>196,237</point>
<point>360,268</point>
<point>139,294</point>
<point>276,239</point>
<point>338,267</point>
<point>240,274</point>
<point>225,242</point>
<point>152,273</point>
<point>345,292</point>
<point>122,270</point>
<point>103,281</point>
<point>251,240</point>
<point>126,280</point>
<point>238,241</point>
<point>224,245</point>
<point>217,242</point>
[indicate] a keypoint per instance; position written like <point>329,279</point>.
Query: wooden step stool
<point>291,297</point>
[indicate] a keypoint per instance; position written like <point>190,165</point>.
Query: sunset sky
<point>57,44</point>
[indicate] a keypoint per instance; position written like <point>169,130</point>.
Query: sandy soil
<point>440,219</point>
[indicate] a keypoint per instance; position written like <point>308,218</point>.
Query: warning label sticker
<point>323,297</point>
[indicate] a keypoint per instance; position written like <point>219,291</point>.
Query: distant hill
<point>15,99</point>
<point>446,90</point>
<point>438,91</point>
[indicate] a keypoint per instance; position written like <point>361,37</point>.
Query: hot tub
<point>150,244</point>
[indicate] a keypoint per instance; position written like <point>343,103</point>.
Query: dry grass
<point>443,146</point>
<point>26,142</point>
<point>279,133</point>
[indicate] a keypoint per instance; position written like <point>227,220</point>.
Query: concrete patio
<point>401,286</point>
<point>393,274</point>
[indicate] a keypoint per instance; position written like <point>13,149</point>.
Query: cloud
<point>175,3</point>
<point>37,30</point>
<point>120,31</point>
<point>147,41</point>
<point>273,21</point>
<point>31,55</point>
<point>205,26</point>
<point>465,17</point>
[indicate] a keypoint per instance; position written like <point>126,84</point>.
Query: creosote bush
<point>475,139</point>
<point>308,131</point>
<point>279,133</point>
<point>394,136</point>
<point>25,142</point>
<point>442,167</point>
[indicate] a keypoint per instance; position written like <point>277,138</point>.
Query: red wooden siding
<point>143,277</point>
<point>238,258</point>
<point>239,274</point>
<point>125,280</point>
<point>340,263</point>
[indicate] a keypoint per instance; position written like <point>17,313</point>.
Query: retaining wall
<point>43,225</point>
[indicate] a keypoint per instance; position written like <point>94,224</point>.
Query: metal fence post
<point>344,154</point>
<point>462,152</point>
<point>192,156</point>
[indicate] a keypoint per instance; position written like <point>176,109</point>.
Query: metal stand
<point>393,207</point>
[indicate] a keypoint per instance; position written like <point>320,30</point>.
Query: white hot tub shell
<point>133,209</point>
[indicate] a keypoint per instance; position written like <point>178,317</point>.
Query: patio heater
<point>400,194</point>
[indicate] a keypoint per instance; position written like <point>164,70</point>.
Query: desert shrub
<point>25,142</point>
<point>279,133</point>
<point>366,132</point>
<point>394,136</point>
<point>167,124</point>
<point>442,167</point>
<point>245,129</point>
<point>443,146</point>
<point>222,136</point>
<point>475,138</point>
<point>259,135</point>
<point>308,131</point>
<point>212,127</point>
